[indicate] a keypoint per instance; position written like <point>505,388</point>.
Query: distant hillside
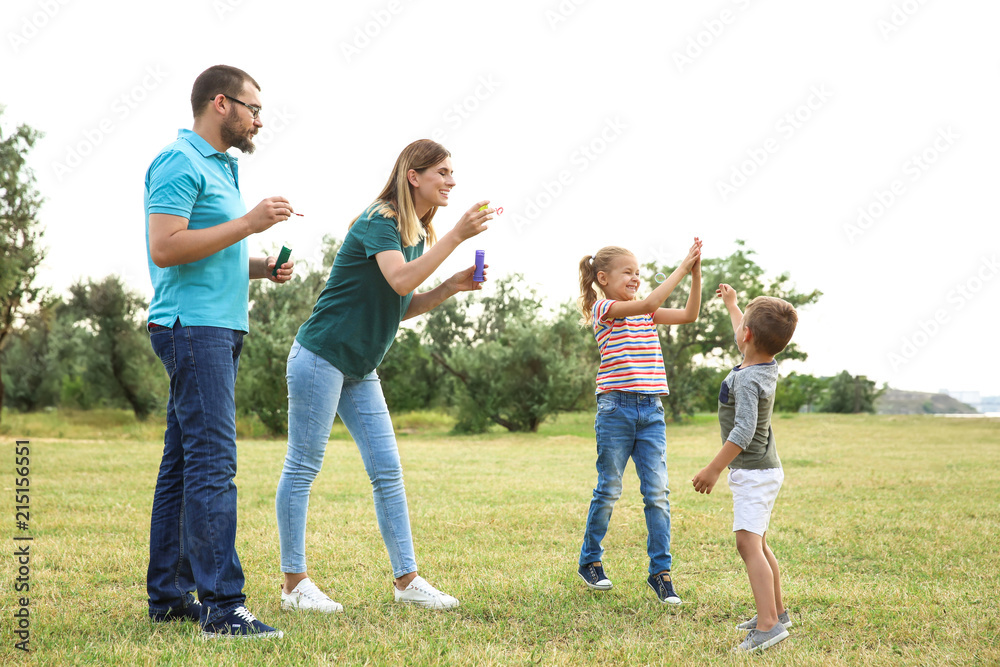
<point>899,402</point>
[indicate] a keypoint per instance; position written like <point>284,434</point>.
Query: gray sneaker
<point>758,640</point>
<point>752,623</point>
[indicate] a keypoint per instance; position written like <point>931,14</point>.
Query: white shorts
<point>754,493</point>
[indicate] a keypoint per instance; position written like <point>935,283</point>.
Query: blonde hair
<point>395,202</point>
<point>772,322</point>
<point>589,267</point>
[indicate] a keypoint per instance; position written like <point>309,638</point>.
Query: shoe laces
<point>245,614</point>
<point>311,591</point>
<point>420,584</point>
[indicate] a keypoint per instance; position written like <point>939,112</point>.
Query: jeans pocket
<point>162,342</point>
<point>606,406</point>
<point>294,352</point>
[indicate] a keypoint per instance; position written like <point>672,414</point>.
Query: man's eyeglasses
<point>254,111</point>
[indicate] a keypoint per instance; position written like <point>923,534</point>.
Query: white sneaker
<point>422,594</point>
<point>307,595</point>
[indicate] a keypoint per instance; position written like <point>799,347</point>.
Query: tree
<point>800,390</point>
<point>125,363</point>
<point>32,376</point>
<point>21,251</point>
<point>276,312</point>
<point>511,366</point>
<point>411,380</point>
<point>851,394</point>
<point>709,341</point>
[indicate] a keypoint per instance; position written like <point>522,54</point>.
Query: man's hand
<point>284,271</point>
<point>268,213</point>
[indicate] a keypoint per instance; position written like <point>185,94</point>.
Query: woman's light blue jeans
<point>317,392</point>
<point>630,425</point>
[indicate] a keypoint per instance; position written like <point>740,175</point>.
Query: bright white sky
<point>642,109</point>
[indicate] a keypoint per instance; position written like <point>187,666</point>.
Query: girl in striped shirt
<point>629,420</point>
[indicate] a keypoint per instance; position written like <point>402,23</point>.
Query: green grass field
<point>887,529</point>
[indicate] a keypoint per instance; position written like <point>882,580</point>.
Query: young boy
<point>745,403</point>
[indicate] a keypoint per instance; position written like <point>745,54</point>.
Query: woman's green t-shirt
<point>357,315</point>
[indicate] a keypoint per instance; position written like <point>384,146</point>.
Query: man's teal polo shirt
<point>192,180</point>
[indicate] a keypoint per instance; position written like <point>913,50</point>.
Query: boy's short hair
<point>772,321</point>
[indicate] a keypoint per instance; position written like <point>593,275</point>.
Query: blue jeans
<point>630,425</point>
<point>192,535</point>
<point>317,392</point>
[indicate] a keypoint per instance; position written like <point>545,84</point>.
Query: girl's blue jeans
<point>630,425</point>
<point>317,392</point>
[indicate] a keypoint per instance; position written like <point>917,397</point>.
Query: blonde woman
<point>331,366</point>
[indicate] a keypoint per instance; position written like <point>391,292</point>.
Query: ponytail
<point>588,297</point>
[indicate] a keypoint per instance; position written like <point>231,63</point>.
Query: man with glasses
<point>196,238</point>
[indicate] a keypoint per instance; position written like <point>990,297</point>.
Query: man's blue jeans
<point>192,536</point>
<point>317,392</point>
<point>630,425</point>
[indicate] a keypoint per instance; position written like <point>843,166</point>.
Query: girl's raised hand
<point>693,256</point>
<point>474,221</point>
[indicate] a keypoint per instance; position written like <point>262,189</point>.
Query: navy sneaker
<point>593,575</point>
<point>663,586</point>
<point>188,612</point>
<point>239,624</point>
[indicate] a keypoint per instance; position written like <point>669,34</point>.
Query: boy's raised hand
<point>727,293</point>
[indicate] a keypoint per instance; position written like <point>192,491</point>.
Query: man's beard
<point>233,134</point>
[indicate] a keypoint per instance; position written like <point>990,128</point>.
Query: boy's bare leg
<point>779,606</point>
<point>750,546</point>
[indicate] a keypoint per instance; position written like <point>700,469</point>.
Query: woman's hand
<point>474,221</point>
<point>463,282</point>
